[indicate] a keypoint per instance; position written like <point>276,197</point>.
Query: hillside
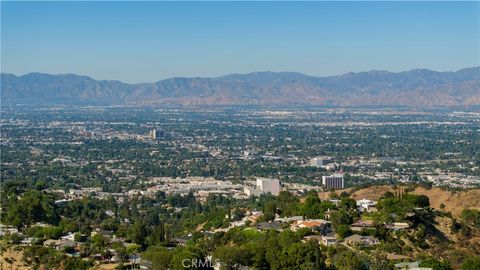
<point>415,88</point>
<point>443,241</point>
<point>454,202</point>
<point>12,259</point>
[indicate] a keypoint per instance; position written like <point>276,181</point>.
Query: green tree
<point>269,211</point>
<point>138,233</point>
<point>187,257</point>
<point>340,217</point>
<point>15,238</point>
<point>422,201</point>
<point>287,203</point>
<point>343,231</point>
<point>471,263</point>
<point>471,216</point>
<point>238,214</point>
<point>160,257</point>
<point>435,264</point>
<point>312,206</point>
<point>232,257</point>
<point>121,251</point>
<point>347,260</point>
<point>303,256</point>
<point>98,242</point>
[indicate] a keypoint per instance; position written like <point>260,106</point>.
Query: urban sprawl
<point>151,188</point>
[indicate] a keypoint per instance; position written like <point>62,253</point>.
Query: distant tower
<point>156,134</point>
<point>268,185</point>
<point>333,181</point>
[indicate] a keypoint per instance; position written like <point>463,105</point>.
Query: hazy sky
<point>149,41</point>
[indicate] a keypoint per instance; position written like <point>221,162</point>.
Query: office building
<point>268,185</point>
<point>333,181</point>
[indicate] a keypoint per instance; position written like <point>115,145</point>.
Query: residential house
<point>289,219</point>
<point>265,226</point>
<point>7,230</point>
<point>322,239</point>
<point>52,243</point>
<point>329,241</point>
<point>360,240</point>
<point>362,224</point>
<point>364,204</point>
<point>316,225</point>
<point>60,244</point>
<point>27,241</point>
<point>398,226</point>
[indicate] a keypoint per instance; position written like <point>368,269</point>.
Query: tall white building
<point>268,185</point>
<point>333,181</point>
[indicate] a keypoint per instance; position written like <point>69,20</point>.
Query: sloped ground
<point>12,259</point>
<point>454,201</point>
<point>446,244</point>
<point>458,246</point>
<point>372,193</point>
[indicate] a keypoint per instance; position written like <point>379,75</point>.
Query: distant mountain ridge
<point>415,88</point>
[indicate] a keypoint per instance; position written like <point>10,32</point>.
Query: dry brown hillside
<point>12,259</point>
<point>454,201</point>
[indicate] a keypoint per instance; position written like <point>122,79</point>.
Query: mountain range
<point>414,88</point>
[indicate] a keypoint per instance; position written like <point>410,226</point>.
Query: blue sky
<point>150,41</point>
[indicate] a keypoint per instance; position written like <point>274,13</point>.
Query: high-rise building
<point>156,134</point>
<point>333,181</point>
<point>268,185</point>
